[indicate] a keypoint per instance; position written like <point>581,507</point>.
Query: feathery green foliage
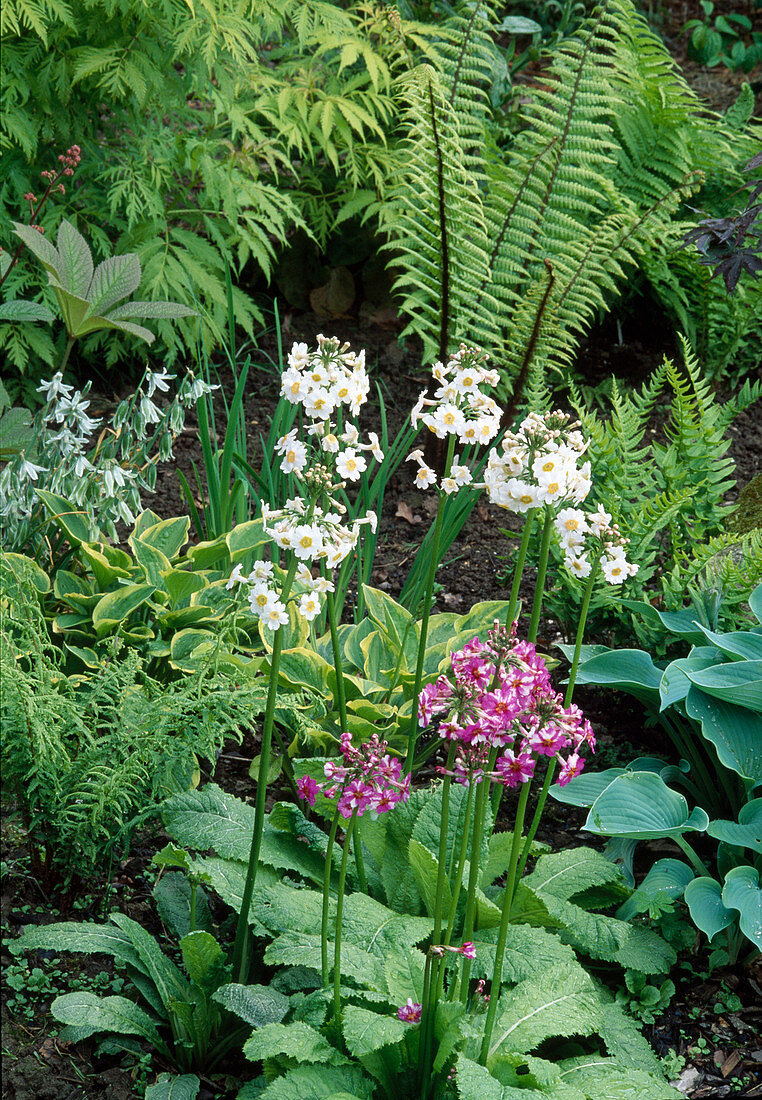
<point>84,755</point>
<point>608,148</point>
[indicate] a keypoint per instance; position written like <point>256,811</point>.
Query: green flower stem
<point>242,938</point>
<point>341,702</point>
<point>459,871</point>
<point>510,890</point>
<point>444,823</point>
<point>325,972</point>
<point>551,769</point>
<point>518,570</point>
<point>482,799</point>
<point>698,864</point>
<point>360,861</point>
<point>424,1045</point>
<point>433,561</point>
<point>542,569</point>
<point>339,915</point>
<point>67,352</point>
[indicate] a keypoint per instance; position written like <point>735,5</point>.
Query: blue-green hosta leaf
<point>641,806</point>
<point>675,684</point>
<point>736,732</point>
<point>601,1077</point>
<point>737,643</point>
<point>584,789</point>
<point>298,1041</point>
<point>742,891</point>
<point>366,1031</point>
<point>632,670</point>
<point>116,1014</point>
<point>19,309</point>
<point>738,682</point>
<point>703,897</point>
<point>755,602</point>
<point>321,1083</point>
<point>744,833</point>
<point>558,1002</point>
<point>685,624</point>
<point>255,1004</point>
<point>667,877</point>
<point>170,1087</point>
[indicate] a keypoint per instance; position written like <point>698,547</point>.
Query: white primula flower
<point>449,485</point>
<point>292,385</point>
<point>330,443</point>
<point>262,571</point>
<point>294,458</point>
<point>599,520</point>
<point>274,615</point>
<point>579,565</point>
<point>521,495</point>
<point>319,404</point>
<point>350,465</point>
<point>616,568</point>
<point>461,474</point>
<point>446,420</point>
<point>260,598</point>
<point>309,606</point>
<point>307,541</point>
<point>298,357</point>
<point>571,522</point>
<point>374,447</point>
<point>351,437</point>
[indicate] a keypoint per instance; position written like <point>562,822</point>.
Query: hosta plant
<point>710,705</point>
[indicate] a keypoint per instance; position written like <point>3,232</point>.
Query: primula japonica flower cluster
<point>312,526</point>
<point>539,464</point>
<point>368,779</point>
<point>460,409</point>
<point>498,699</point>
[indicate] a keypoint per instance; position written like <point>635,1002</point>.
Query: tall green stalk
<point>240,962</point>
<point>542,569</point>
<point>339,917</point>
<point>518,570</point>
<point>325,973</point>
<point>412,738</point>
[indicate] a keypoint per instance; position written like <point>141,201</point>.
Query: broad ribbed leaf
<point>113,279</point>
<point>558,1002</point>
<point>255,1004</point>
<point>403,972</point>
<point>742,891</point>
<point>170,1087</point>
<point>603,1077</point>
<point>210,818</point>
<point>115,1014</point>
<point>19,309</point>
<point>735,732</point>
<point>744,833</point>
<point>366,1031</point>
<point>321,1083</point>
<point>475,1082</point>
<point>703,897</point>
<point>295,949</point>
<point>38,244</point>
<point>147,310</point>
<point>203,959</point>
<point>75,261</point>
<point>89,939</point>
<point>640,805</point>
<point>564,874</point>
<point>167,978</point>
<point>298,1041</point>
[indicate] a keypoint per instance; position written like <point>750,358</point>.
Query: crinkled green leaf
<point>297,1040</point>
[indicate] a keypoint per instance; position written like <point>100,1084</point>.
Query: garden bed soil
<point>714,1022</point>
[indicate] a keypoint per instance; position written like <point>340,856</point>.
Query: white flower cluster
<point>103,478</point>
<point>539,465</point>
<point>324,380</point>
<point>458,408</point>
<point>264,594</point>
<point>584,535</point>
<point>313,527</point>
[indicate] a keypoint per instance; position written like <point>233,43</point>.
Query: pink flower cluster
<point>499,696</point>
<point>369,779</point>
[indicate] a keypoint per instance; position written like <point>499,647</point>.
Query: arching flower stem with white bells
<point>310,531</point>
<point>460,413</point>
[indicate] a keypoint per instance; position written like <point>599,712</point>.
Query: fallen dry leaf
<point>404,511</point>
<point>730,1063</point>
